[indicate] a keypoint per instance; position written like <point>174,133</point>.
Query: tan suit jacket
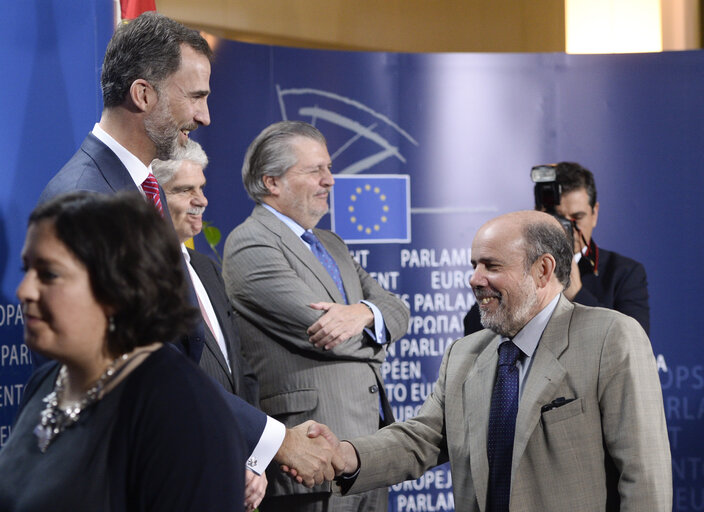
<point>271,277</point>
<point>606,450</point>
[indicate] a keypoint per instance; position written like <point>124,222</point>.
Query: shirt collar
<point>295,227</point>
<point>527,338</point>
<point>578,256</point>
<point>138,171</point>
<point>184,250</point>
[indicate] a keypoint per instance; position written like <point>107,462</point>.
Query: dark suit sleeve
<point>631,297</point>
<point>250,420</point>
<point>629,286</point>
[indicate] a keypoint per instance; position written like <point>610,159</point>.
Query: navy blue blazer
<point>96,168</point>
<point>621,284</point>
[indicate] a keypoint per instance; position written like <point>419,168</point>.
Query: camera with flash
<point>547,194</point>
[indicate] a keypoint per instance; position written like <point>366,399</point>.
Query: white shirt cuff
<point>269,443</point>
<point>379,334</point>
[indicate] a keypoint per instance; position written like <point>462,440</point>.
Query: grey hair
<point>164,170</point>
<point>271,154</point>
<point>548,238</point>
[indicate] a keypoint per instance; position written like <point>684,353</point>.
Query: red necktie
<point>151,190</point>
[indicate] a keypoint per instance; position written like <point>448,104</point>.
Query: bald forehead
<point>497,242</point>
<point>506,234</point>
<point>515,222</point>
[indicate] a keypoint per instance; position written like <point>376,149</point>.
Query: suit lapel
<point>204,273</point>
<point>477,387</point>
<point>211,345</point>
<point>113,170</point>
<point>546,374</point>
<point>110,166</point>
<point>295,245</point>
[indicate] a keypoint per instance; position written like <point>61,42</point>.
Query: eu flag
<point>372,208</point>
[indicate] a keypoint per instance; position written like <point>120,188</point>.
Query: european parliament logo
<point>372,208</point>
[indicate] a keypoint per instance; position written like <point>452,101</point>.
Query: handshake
<point>311,454</point>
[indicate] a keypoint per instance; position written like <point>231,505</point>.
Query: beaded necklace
<point>54,420</point>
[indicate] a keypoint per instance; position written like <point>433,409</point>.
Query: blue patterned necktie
<point>324,257</point>
<point>502,426</point>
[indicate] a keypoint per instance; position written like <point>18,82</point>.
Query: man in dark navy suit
<point>155,83</point>
<point>183,182</point>
<point>599,277</point>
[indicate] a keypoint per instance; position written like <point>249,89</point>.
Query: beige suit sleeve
<point>633,418</point>
<point>405,450</point>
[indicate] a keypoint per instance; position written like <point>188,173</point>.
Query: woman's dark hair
<point>133,260</point>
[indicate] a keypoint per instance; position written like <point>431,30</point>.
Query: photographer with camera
<point>599,277</point>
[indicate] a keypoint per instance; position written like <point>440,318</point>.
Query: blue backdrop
<point>50,56</point>
<point>461,131</point>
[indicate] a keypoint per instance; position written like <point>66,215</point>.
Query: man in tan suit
<point>590,430</point>
<point>314,324</point>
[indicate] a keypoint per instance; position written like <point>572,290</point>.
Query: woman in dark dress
<point>118,421</point>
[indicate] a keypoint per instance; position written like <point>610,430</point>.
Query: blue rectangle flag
<point>372,208</point>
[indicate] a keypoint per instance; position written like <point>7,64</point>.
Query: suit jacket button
<point>373,389</point>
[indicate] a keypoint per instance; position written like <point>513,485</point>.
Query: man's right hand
<point>345,462</point>
<point>307,459</point>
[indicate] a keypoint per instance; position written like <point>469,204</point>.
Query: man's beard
<point>508,323</point>
<point>162,131</point>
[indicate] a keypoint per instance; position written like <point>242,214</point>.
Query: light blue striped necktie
<point>326,260</point>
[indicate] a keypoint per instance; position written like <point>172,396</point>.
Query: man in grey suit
<point>183,182</point>
<point>155,81</point>
<point>314,324</point>
<point>588,427</point>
